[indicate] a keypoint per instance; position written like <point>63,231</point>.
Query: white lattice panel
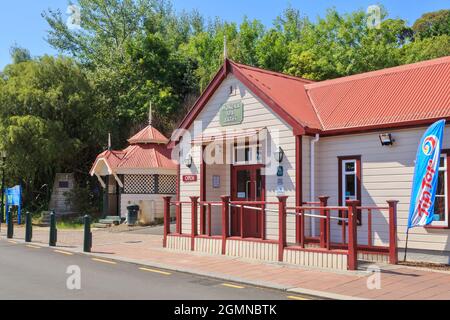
<point>139,184</point>
<point>167,184</point>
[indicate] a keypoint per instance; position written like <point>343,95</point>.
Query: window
<point>440,218</point>
<point>247,154</point>
<point>349,181</point>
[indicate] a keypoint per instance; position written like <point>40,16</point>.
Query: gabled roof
<point>284,94</point>
<point>147,150</point>
<point>148,135</point>
<point>402,96</point>
<point>286,91</point>
<point>394,96</point>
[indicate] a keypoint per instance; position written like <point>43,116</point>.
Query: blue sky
<point>21,21</point>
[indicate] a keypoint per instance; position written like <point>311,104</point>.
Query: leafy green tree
<point>130,51</point>
<point>340,45</point>
<point>250,33</point>
<point>50,120</point>
<point>19,54</point>
<point>432,24</point>
<point>426,49</point>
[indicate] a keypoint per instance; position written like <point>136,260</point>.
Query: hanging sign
<point>190,178</point>
<point>280,187</point>
<point>280,171</point>
<point>231,114</point>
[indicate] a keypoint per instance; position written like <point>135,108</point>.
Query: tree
<point>19,54</point>
<point>50,120</point>
<point>340,45</point>
<point>426,49</point>
<point>130,51</point>
<point>432,24</point>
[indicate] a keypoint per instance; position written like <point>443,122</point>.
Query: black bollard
<point>28,227</point>
<point>87,234</point>
<point>10,226</point>
<point>53,231</point>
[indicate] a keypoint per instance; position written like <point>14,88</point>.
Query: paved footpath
<point>397,282</point>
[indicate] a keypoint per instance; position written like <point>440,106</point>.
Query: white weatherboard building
<point>353,138</point>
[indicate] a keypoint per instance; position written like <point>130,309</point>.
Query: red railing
<point>348,218</point>
<point>259,206</point>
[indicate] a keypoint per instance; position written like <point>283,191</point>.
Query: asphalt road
<point>33,272</point>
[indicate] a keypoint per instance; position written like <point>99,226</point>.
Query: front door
<point>247,184</point>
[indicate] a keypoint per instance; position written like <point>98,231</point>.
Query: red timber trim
<point>318,250</point>
<point>225,221</point>
<point>299,228</point>
<point>393,248</point>
<point>253,240</point>
<point>166,219</point>
<point>352,235</point>
<point>324,241</point>
<point>194,205</point>
<point>298,129</point>
<point>202,190</point>
<point>178,209</point>
<point>281,226</point>
<point>229,67</point>
<point>358,183</point>
<point>447,153</point>
<point>381,127</point>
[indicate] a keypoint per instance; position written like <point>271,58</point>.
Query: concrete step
<point>101,225</point>
<point>109,221</point>
<point>113,218</point>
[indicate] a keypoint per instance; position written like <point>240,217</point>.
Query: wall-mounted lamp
<point>3,155</point>
<point>386,139</point>
<point>279,154</point>
<point>188,161</point>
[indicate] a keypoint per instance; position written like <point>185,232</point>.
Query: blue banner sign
<point>14,198</point>
<point>421,210</point>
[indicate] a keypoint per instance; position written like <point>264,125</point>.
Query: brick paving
<point>397,282</point>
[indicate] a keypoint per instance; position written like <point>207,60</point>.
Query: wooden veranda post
<point>225,226</point>
<point>352,234</point>
<point>281,226</point>
<point>393,248</point>
<point>323,221</point>
<point>194,232</point>
<point>166,219</point>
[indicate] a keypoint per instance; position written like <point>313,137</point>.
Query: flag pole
<point>406,245</point>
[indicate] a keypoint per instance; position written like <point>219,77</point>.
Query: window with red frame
<point>441,202</point>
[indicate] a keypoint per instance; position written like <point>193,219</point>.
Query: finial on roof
<point>225,49</point>
<point>150,116</point>
<point>109,141</point>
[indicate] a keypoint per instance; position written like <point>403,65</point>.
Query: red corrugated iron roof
<point>396,95</point>
<point>147,156</point>
<point>111,157</point>
<point>412,94</point>
<point>287,91</point>
<point>148,135</point>
<point>147,150</point>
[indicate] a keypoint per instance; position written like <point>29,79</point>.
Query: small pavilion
<point>140,174</point>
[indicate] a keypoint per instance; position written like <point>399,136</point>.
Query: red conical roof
<point>148,135</point>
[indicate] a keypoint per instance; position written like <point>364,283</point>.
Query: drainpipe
<point>313,178</point>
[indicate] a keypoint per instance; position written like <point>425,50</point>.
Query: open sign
<point>190,178</point>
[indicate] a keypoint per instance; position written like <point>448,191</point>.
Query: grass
<point>65,223</point>
<point>69,225</point>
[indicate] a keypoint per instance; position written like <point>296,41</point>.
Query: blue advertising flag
<point>421,210</point>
